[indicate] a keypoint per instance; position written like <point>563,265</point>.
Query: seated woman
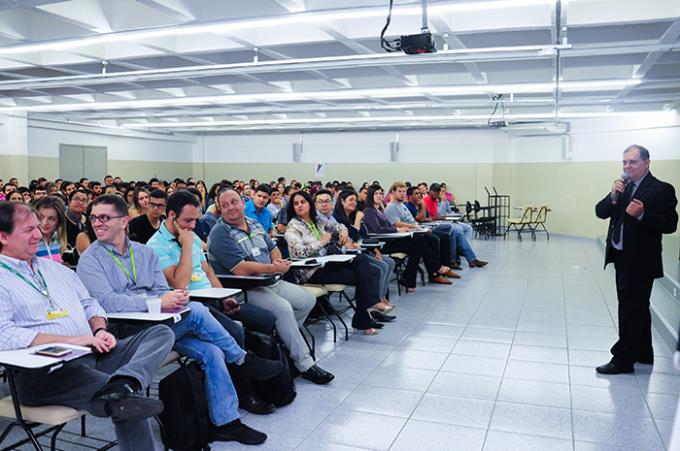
<point>52,227</point>
<point>346,213</point>
<point>87,236</point>
<point>415,247</point>
<point>140,199</point>
<point>309,236</point>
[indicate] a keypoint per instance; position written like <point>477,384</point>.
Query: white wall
<point>431,146</point>
<point>13,135</point>
<point>45,137</point>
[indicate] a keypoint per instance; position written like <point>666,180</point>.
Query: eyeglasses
<point>79,199</point>
<point>103,218</point>
<point>155,205</point>
<point>324,201</point>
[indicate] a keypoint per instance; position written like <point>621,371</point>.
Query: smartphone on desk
<point>54,351</point>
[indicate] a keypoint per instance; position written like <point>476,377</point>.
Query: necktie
<point>624,201</point>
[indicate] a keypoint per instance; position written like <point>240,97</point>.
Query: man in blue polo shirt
<point>184,265</point>
<point>256,208</point>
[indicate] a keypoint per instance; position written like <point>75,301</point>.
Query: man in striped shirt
<point>43,302</point>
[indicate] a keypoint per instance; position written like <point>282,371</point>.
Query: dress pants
<point>414,250</point>
<point>359,274</point>
<point>635,321</point>
<point>444,250</point>
<point>290,305</point>
<point>138,356</point>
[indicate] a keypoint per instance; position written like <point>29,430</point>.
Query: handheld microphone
<point>624,178</point>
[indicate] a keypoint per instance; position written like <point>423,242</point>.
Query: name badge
<point>54,313</point>
<point>256,252</point>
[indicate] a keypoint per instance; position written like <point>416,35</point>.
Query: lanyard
<point>315,231</point>
<point>48,246</point>
<point>42,290</point>
<point>132,278</point>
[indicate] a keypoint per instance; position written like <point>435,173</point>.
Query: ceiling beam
<point>454,42</point>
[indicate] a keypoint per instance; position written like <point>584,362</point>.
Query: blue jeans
<point>202,338</point>
<point>385,266</point>
<point>460,238</point>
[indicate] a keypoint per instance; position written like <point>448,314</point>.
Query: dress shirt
<point>619,245</point>
<point>23,310</point>
<point>169,252</point>
<point>107,282</point>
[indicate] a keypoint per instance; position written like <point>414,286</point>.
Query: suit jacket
<point>642,239</point>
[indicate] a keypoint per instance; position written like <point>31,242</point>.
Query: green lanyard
<point>42,290</point>
<point>132,278</point>
<point>315,231</point>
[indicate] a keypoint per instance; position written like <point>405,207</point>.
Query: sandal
<point>369,332</point>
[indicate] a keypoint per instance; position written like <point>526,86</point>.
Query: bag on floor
<point>279,390</point>
<point>185,421</point>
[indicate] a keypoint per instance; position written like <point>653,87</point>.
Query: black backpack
<point>279,390</point>
<point>185,422</point>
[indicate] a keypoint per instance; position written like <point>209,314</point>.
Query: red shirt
<point>431,205</point>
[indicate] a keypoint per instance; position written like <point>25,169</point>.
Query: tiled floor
<point>503,360</point>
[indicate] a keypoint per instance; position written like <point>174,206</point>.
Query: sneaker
<point>238,432</point>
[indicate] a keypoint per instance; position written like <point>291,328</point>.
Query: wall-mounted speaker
<point>394,151</point>
<point>567,152</point>
<point>297,152</point>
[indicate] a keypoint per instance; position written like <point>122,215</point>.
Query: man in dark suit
<point>639,211</point>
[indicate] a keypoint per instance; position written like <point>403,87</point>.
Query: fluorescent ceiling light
<point>395,119</point>
<point>318,17</point>
<point>340,94</point>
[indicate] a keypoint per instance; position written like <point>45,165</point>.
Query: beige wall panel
<point>14,166</point>
<point>572,190</point>
<point>144,170</point>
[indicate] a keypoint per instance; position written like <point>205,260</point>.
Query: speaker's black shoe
<point>614,368</point>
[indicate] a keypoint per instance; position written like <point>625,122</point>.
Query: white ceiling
<point>217,66</point>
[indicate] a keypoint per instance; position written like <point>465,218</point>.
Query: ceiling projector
<point>417,43</point>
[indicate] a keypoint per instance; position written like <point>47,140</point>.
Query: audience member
<point>75,217</point>
<point>239,245</point>
<point>144,226</point>
<point>108,383</point>
<point>256,207</point>
<point>345,209</point>
<point>123,274</point>
<point>52,225</point>
<point>310,235</point>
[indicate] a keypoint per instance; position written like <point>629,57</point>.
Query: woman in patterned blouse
<point>309,235</point>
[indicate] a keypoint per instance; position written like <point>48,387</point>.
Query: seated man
<point>256,208</point>
<point>239,245</point>
<point>123,274</point>
<point>43,302</point>
<point>207,222</point>
<point>184,265</point>
<point>463,238</point>
<point>400,216</point>
<point>144,226</point>
<point>275,203</point>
